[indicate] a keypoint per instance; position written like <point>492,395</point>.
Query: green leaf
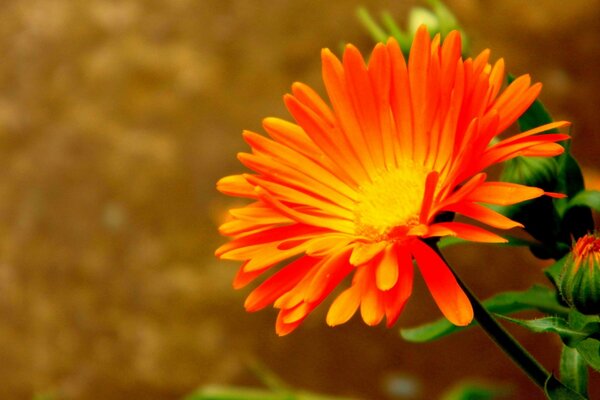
<point>231,393</point>
<point>267,377</point>
<point>584,322</point>
<point>237,393</point>
<point>403,38</point>
<point>570,336</point>
<point>365,18</point>
<point>573,370</point>
<point>590,351</point>
<point>431,331</point>
<point>474,391</point>
<point>537,297</point>
<point>555,390</point>
<point>586,198</point>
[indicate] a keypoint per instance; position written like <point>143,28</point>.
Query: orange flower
<point>353,189</point>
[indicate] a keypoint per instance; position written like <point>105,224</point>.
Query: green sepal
<point>590,351</point>
<point>512,241</point>
<point>555,390</point>
<point>553,271</point>
<point>553,222</point>
<point>573,370</point>
<point>570,177</point>
<point>586,198</point>
<point>537,297</point>
<point>560,326</point>
<point>577,218</point>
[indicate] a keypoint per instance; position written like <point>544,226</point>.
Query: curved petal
<point>464,231</point>
<point>442,285</point>
<point>278,284</point>
<point>395,299</point>
<point>386,275</point>
<point>343,307</point>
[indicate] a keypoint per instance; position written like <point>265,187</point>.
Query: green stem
<point>534,370</point>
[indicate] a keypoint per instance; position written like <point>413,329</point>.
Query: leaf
<point>555,390</point>
<point>474,391</point>
<point>267,377</point>
<point>238,393</point>
<point>233,393</point>
<point>573,370</point>
<point>570,336</point>
<point>403,38</point>
<point>537,297</point>
<point>590,351</point>
<point>431,331</point>
<point>367,21</point>
<point>586,198</point>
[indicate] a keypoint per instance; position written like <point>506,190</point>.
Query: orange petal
<point>484,214</point>
<point>327,244</point>
<point>236,185</point>
<point>386,274</point>
<point>362,94</point>
<point>400,100</point>
<point>503,193</point>
<point>279,283</point>
<point>418,66</point>
<point>365,252</point>
<point>282,328</point>
<point>430,186</point>
<point>396,298</point>
<point>242,278</point>
<point>343,307</point>
<point>464,231</point>
<point>335,83</point>
<point>372,309</point>
<point>446,292</point>
<point>330,273</point>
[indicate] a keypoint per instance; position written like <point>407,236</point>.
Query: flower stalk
<point>513,349</point>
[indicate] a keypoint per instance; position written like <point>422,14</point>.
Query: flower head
<point>579,282</point>
<point>352,189</point>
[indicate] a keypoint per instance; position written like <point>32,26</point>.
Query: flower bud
<point>579,282</point>
<point>531,171</point>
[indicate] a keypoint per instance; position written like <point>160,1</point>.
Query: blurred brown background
<point>117,118</point>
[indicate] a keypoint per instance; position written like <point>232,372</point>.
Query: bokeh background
<point>116,119</point>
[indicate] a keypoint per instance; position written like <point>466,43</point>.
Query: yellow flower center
<point>392,200</point>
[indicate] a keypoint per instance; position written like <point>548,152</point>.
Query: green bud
<point>579,282</point>
<point>539,172</point>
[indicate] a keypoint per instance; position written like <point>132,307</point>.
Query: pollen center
<point>392,200</point>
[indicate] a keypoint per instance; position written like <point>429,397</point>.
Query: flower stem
<point>534,370</point>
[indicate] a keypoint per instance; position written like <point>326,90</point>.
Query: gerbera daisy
<point>352,189</point>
